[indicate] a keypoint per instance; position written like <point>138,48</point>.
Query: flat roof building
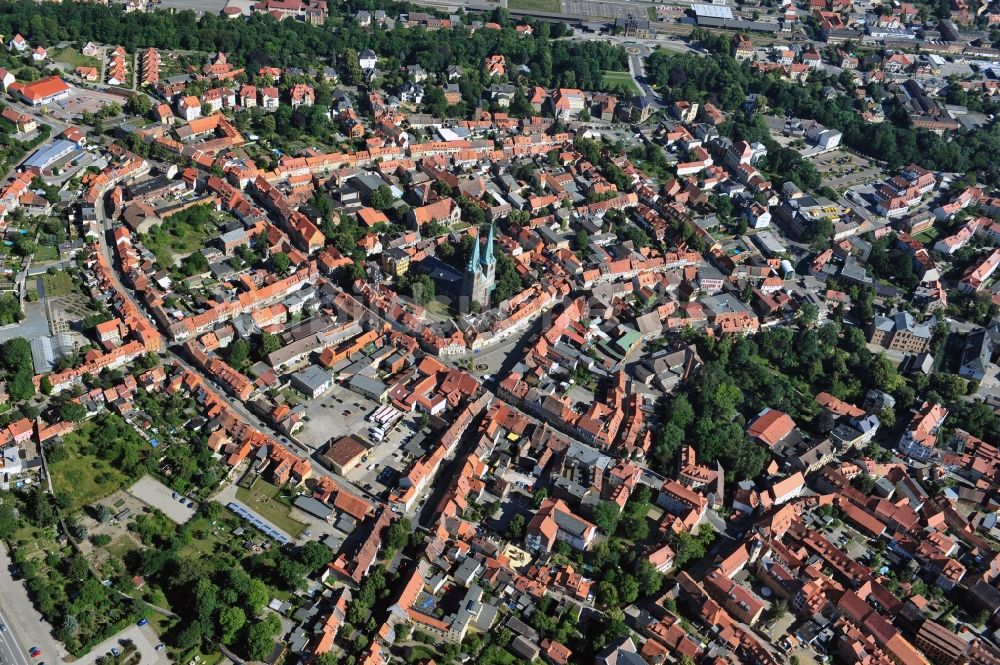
<point>312,381</point>
<point>344,454</point>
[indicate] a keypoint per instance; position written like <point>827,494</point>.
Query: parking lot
<point>197,6</point>
<point>83,100</point>
<point>391,457</point>
<point>143,637</point>
<point>842,170</point>
<point>157,495</point>
<point>337,413</point>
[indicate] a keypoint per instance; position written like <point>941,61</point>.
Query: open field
<point>74,58</point>
<point>262,498</point>
<point>46,253</point>
<point>85,478</point>
<point>59,284</point>
<point>535,5</point>
<point>619,79</point>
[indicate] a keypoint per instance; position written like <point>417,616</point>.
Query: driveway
<point>145,640</point>
<point>25,626</point>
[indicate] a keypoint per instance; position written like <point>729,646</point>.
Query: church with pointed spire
<point>480,273</point>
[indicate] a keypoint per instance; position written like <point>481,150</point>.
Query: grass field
<point>928,236</point>
<point>620,79</point>
<point>536,5</point>
<point>74,58</point>
<point>46,253</point>
<point>262,498</point>
<point>181,234</point>
<point>59,284</point>
<point>209,536</point>
<point>84,478</point>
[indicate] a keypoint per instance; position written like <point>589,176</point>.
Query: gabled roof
<point>771,426</point>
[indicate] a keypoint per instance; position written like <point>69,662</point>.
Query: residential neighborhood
<point>385,333</point>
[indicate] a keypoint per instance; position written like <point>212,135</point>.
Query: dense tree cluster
<point>889,262</point>
<point>508,281</point>
<point>780,368</point>
<point>63,588</point>
<point>10,310</point>
<point>261,40</point>
<point>15,358</point>
<point>896,142</point>
<point>221,597</point>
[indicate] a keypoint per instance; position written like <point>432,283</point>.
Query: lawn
<point>46,253</point>
<point>553,6</point>
<point>262,498</point>
<point>208,537</point>
<point>84,478</point>
<point>927,237</point>
<point>59,284</point>
<point>181,234</point>
<point>619,79</point>
<point>74,58</point>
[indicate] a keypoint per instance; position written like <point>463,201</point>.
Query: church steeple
<point>489,259</point>
<point>480,273</point>
<point>473,265</point>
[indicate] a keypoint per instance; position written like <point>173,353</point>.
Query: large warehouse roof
<point>713,11</point>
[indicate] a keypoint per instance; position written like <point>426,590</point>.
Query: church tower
<point>480,273</point>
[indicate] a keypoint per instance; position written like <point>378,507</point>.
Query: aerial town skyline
<point>554,331</point>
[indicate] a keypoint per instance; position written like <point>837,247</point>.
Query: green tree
<point>15,354</point>
<point>422,289</point>
<point>606,516</point>
<point>8,519</point>
<point>608,593</point>
<point>139,104</point>
<point>382,198</point>
<point>269,343</point>
<point>21,387</point>
<point>398,534</point>
<point>516,527</point>
<point>256,597</point>
<point>281,262</point>
<point>314,555</point>
<point>239,353</point>
<point>351,71</point>
<point>231,621</point>
<point>10,310</point>
<point>72,412</point>
<point>260,637</point>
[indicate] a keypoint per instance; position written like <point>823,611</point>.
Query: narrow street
<point>238,407</point>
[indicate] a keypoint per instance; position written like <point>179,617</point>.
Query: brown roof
<point>771,427</point>
<point>344,450</point>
